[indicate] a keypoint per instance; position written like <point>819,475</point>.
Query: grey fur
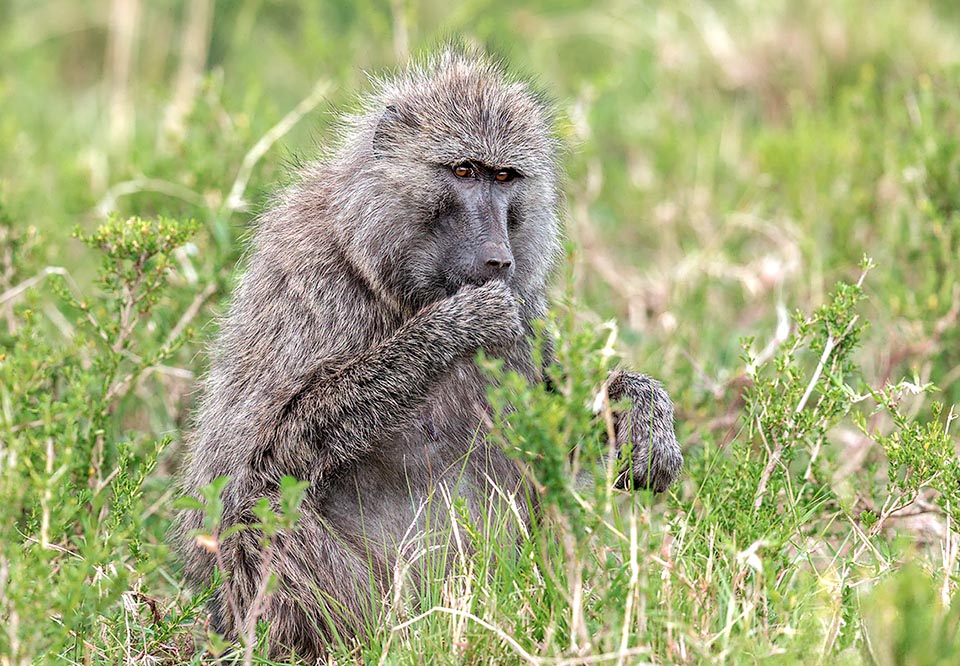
<point>347,356</point>
<point>656,458</point>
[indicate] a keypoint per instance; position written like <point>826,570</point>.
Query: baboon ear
<point>393,121</point>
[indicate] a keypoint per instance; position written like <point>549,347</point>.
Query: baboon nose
<point>500,262</point>
<point>496,259</point>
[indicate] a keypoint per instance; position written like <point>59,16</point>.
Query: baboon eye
<point>505,175</point>
<point>463,171</point>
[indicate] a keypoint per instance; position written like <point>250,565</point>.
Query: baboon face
<point>474,223</point>
<point>463,163</point>
<point>471,225</point>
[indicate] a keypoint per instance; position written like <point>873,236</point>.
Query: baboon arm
<point>646,430</point>
<point>340,413</point>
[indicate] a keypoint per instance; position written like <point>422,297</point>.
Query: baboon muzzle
<point>494,261</point>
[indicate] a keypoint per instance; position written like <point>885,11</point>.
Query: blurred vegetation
<point>729,166</point>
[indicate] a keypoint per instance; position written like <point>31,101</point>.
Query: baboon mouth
<point>453,286</point>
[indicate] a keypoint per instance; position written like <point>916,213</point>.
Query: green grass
<point>730,164</point>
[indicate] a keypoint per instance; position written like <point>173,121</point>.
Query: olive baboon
<point>347,357</point>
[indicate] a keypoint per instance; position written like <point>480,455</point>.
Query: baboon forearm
<point>340,413</point>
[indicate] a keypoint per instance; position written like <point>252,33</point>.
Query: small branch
<point>108,201</point>
<point>11,294</point>
<point>579,638</point>
<point>235,198</point>
<point>504,636</point>
<point>15,291</point>
<point>631,587</point>
<point>890,508</point>
<point>828,348</point>
<point>190,313</point>
<point>780,336</point>
<point>193,57</point>
<point>120,386</point>
<point>401,32</point>
<point>227,583</point>
<point>47,496</point>
<point>49,546</point>
<point>128,318</point>
<point>768,470</point>
<point>124,17</point>
<point>257,605</point>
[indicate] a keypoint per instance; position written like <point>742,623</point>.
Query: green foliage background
<point>729,163</point>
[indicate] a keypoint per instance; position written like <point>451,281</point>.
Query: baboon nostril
<point>496,257</point>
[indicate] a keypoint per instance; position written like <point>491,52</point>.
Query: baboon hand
<point>644,429</point>
<point>489,315</point>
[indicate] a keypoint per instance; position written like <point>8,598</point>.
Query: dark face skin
<point>464,233</point>
<point>455,209</point>
<point>474,224</point>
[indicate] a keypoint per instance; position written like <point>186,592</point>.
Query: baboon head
<point>454,170</point>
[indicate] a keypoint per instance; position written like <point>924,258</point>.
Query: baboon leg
<point>322,592</point>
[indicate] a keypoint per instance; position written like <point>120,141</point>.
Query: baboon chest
<point>412,479</point>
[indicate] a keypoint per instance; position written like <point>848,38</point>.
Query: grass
<point>730,165</point>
